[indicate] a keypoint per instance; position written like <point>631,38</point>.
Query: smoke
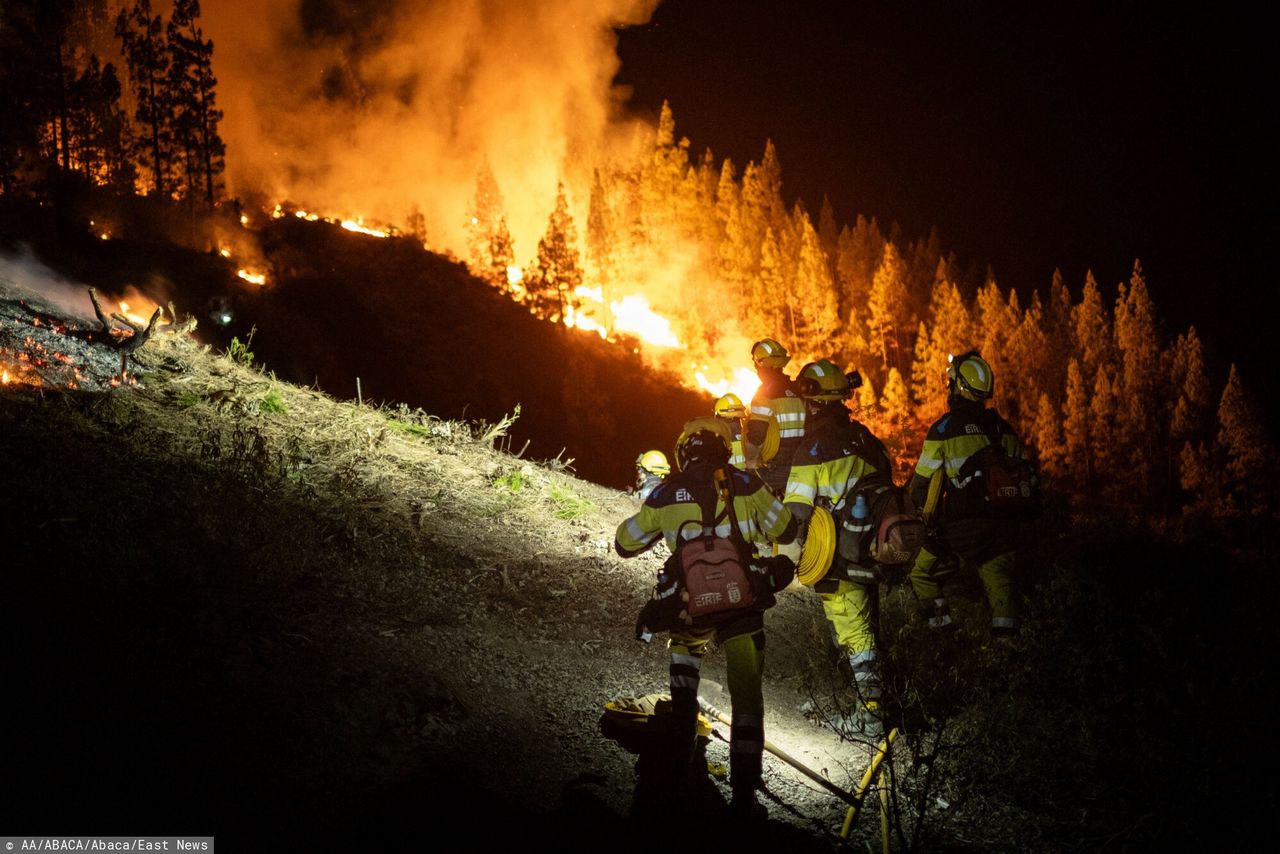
<point>24,277</point>
<point>380,110</point>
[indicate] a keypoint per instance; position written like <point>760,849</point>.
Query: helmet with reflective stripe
<point>823,381</point>
<point>971,376</point>
<point>654,462</point>
<point>769,353</point>
<point>730,406</point>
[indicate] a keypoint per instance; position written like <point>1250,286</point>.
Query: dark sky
<point>1034,136</point>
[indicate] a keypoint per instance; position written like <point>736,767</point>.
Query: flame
<point>633,314</point>
<point>743,382</point>
<point>224,252</point>
<point>514,275</point>
<point>141,314</point>
<point>244,219</point>
<point>252,278</point>
<point>357,225</point>
<point>4,376</point>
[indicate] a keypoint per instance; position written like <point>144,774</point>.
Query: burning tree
<point>557,274</point>
<point>488,240</point>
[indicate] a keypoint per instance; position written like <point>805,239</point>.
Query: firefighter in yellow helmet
<point>651,468</point>
<point>838,458</point>
<point>776,423</point>
<point>731,410</point>
<point>705,488</point>
<point>959,528</point>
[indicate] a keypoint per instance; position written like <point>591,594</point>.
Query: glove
<point>645,619</point>
<point>782,569</point>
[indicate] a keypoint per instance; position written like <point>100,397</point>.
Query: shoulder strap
<point>724,488</point>
<point>991,427</point>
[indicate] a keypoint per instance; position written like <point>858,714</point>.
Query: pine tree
<point>1058,333</point>
<point>896,401</point>
<point>1138,346</point>
<point>97,123</point>
<point>813,295</point>
<point>192,92</point>
<point>142,42</point>
<point>558,272</point>
<point>996,321</point>
<point>949,332</point>
<point>1102,433</point>
<point>1075,429</point>
<point>1046,437</point>
<point>662,180</point>
<point>888,293</point>
<point>1244,446</point>
<point>1191,394</point>
<point>1091,330</point>
<point>600,244</point>
<point>1026,369</point>
<point>489,242</point>
<point>767,301</point>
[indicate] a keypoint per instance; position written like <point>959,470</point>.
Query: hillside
<point>408,325</point>
<point>240,606</point>
<point>246,608</point>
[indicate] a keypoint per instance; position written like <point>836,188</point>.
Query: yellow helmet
<point>730,406</point>
<point>654,462</point>
<point>970,376</point>
<point>769,353</point>
<point>704,439</point>
<point>823,381</point>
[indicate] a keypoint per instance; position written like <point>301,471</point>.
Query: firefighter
<point>837,457</point>
<point>651,468</point>
<point>776,423</point>
<point>958,529</point>
<point>731,410</point>
<point>702,457</point>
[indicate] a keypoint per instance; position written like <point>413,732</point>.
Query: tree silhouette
<point>488,240</point>
<point>141,39</point>
<point>558,271</point>
<point>195,117</point>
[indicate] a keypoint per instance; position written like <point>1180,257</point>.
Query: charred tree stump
<point>128,344</point>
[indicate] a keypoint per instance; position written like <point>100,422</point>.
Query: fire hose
<point>855,804</point>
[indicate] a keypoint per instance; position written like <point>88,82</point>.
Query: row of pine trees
<point>69,113</point>
<point>1116,411</point>
<point>1118,414</point>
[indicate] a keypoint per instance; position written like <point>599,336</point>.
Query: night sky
<point>1076,136</point>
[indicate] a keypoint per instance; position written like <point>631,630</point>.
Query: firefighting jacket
<point>675,509</point>
<point>836,455</point>
<point>646,484</point>
<point>948,446</point>
<point>777,401</point>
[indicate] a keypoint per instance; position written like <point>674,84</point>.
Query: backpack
<point>1010,485</point>
<point>716,572</point>
<point>891,533</point>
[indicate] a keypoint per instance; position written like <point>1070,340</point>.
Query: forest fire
<point>141,310</point>
<point>743,383</point>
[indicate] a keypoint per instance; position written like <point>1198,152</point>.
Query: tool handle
<point>847,797</point>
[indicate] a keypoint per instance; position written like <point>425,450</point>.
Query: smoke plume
<point>380,110</point>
